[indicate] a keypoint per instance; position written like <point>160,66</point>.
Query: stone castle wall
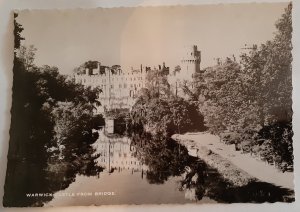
<point>120,87</point>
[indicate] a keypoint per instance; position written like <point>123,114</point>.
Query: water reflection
<point>163,156</point>
<point>116,153</point>
<point>140,169</point>
<point>166,158</point>
<point>161,161</point>
<point>32,180</point>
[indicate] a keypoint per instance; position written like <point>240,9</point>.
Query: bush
<point>167,116</point>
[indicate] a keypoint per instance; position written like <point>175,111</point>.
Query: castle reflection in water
<point>117,154</point>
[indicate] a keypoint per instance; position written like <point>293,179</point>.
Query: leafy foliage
<point>252,100</point>
<point>159,111</point>
<point>52,122</point>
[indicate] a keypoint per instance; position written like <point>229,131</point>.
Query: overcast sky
<point>148,36</point>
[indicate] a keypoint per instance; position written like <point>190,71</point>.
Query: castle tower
<point>190,64</point>
<point>184,73</point>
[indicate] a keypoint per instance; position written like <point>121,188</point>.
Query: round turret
<point>190,63</point>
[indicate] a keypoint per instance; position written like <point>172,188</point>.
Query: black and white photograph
<point>181,104</point>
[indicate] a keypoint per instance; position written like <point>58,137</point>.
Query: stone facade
<point>183,74</point>
<point>120,87</point>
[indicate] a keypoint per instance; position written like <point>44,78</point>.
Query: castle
<point>189,65</point>
<point>120,87</point>
<point>117,153</point>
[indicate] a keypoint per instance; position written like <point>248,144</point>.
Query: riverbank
<point>235,166</point>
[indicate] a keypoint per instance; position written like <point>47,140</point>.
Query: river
<point>142,169</point>
<point>130,176</point>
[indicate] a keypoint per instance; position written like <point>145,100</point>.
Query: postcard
<point>152,105</point>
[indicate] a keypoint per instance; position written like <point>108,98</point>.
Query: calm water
<point>147,170</point>
<point>135,172</point>
<point>135,169</point>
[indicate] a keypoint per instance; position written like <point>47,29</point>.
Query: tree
<point>48,111</point>
<point>17,32</point>
<point>27,55</point>
<point>157,83</point>
<point>253,99</point>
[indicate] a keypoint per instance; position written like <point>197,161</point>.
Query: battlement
<point>192,57</point>
<point>120,87</point>
<point>103,71</point>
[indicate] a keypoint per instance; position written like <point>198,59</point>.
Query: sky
<point>146,35</point>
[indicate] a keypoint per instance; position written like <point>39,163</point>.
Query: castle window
<point>131,93</point>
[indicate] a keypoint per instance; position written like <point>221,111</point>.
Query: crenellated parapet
<point>120,87</point>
